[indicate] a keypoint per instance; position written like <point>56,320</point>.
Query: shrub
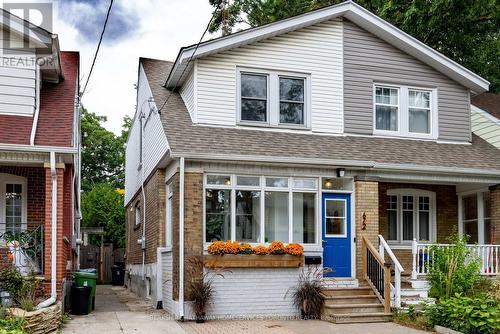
<point>12,325</point>
<point>294,249</point>
<point>217,248</point>
<point>476,315</point>
<point>11,281</point>
<point>260,250</point>
<point>245,249</point>
<point>308,295</point>
<point>276,248</point>
<point>494,291</point>
<point>454,269</point>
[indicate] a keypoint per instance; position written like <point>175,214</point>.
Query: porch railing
<point>422,254</point>
<point>376,272</point>
<point>398,269</point>
<point>23,249</point>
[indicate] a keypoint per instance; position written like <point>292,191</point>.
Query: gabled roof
<point>222,143</point>
<point>349,10</point>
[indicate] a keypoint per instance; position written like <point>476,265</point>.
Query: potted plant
<point>201,290</point>
<point>308,295</point>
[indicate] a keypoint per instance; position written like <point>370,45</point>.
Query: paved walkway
<point>120,312</point>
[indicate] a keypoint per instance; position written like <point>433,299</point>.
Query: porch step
<point>349,318</point>
<point>411,292</point>
<point>353,305</point>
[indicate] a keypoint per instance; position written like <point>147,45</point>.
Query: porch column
<point>366,215</point>
<point>495,213</point>
<point>61,262</point>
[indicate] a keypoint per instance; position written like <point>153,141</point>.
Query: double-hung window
<point>13,190</point>
<point>411,214</point>
<point>258,209</point>
<point>405,111</point>
<point>272,98</point>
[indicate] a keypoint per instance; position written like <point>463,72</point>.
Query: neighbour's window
<point>271,98</point>
<point>386,108</point>
<point>13,208</point>
<point>265,209</point>
<point>291,100</point>
<point>404,111</point>
<point>410,214</point>
<point>253,97</point>
<point>138,217</point>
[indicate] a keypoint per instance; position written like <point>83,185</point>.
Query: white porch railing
<point>398,269</point>
<point>423,253</point>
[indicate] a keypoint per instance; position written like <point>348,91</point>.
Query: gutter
<point>342,163</point>
<point>38,148</point>
<point>53,237</point>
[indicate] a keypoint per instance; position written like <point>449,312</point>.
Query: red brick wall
<point>495,214</point>
<point>36,191</point>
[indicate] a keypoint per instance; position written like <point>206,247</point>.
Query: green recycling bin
<point>86,278</point>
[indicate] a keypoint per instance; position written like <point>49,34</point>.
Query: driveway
<point>120,312</point>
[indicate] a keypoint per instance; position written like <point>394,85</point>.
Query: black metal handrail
<point>377,273</point>
<point>25,249</point>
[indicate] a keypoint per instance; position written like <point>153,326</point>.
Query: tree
<point>102,206</point>
<point>103,153</point>
<point>463,30</point>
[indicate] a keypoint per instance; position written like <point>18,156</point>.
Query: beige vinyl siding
<point>18,84</point>
<point>188,94</point>
<point>155,141</point>
<point>315,50</point>
<point>368,59</point>
<point>486,127</point>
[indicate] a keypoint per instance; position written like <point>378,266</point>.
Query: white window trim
<point>344,235</point>
<point>13,179</point>
<point>404,113</point>
<point>416,231</point>
<point>273,98</point>
<point>263,188</point>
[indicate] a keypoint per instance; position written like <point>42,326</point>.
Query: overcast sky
<point>136,28</point>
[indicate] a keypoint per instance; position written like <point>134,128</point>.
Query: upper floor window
<point>273,98</point>
<point>405,111</point>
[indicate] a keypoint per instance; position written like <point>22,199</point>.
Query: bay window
<point>258,209</point>
<point>270,98</point>
<point>405,111</point>
<point>411,214</point>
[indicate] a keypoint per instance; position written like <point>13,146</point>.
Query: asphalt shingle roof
<point>186,138</point>
<point>489,102</point>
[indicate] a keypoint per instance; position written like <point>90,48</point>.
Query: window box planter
<point>253,261</point>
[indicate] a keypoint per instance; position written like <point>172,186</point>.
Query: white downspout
<point>143,240</point>
<point>181,239</point>
<point>53,237</point>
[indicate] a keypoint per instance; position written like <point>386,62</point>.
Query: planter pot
<point>253,261</point>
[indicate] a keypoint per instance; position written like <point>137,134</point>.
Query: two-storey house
<point>39,153</point>
<point>332,129</point>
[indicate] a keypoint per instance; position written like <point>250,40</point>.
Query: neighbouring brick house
<point>332,129</point>
<point>39,155</point>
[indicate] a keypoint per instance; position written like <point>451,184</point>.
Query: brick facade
<point>154,189</point>
<point>495,214</point>
<point>366,203</point>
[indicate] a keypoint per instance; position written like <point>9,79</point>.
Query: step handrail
<point>376,272</point>
<point>398,269</point>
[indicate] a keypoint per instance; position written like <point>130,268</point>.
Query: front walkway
<point>120,312</point>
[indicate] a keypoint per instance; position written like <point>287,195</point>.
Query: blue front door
<point>337,234</point>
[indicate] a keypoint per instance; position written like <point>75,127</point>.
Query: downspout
<point>181,239</point>
<point>143,240</point>
<point>38,81</point>
<point>53,236</point>
<point>77,182</point>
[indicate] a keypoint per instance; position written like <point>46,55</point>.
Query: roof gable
<point>349,10</point>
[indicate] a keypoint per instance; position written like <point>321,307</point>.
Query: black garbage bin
<point>80,297</point>
<point>117,275</point>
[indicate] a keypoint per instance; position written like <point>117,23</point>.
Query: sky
<point>136,28</point>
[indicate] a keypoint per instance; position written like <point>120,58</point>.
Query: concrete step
<point>411,292</point>
<point>348,318</point>
<point>353,308</point>
<point>356,299</point>
<point>365,290</point>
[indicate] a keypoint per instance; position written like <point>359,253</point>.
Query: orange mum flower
<point>217,248</point>
<point>245,249</point>
<point>294,249</point>
<point>232,247</point>
<point>10,257</point>
<point>260,250</point>
<point>276,248</point>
